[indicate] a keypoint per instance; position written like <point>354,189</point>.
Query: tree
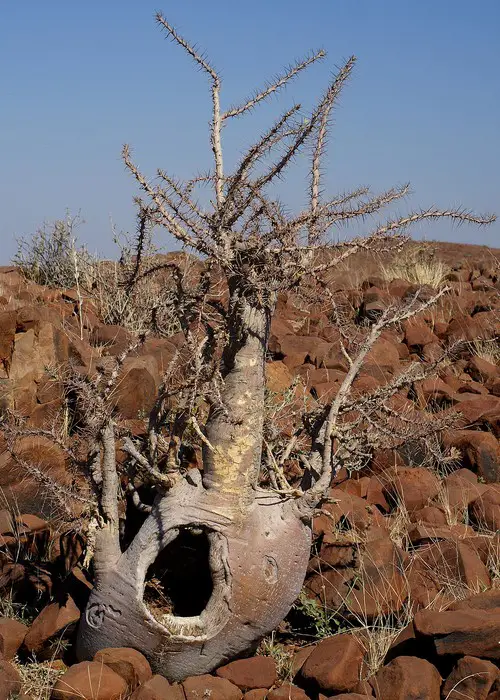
<point>251,544</point>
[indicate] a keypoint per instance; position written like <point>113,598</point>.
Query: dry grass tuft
<point>38,679</point>
<point>488,350</point>
<point>416,264</point>
<point>282,655</point>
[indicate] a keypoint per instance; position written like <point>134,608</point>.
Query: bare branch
<point>371,206</point>
<point>170,222</point>
<point>202,62</point>
<point>280,82</point>
<point>458,215</point>
<point>322,134</point>
<point>152,474</point>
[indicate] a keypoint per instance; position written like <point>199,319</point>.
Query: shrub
<point>51,256</point>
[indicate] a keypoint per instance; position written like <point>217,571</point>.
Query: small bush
<point>51,256</point>
<point>121,293</point>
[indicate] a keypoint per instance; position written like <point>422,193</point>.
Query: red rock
<point>380,584</point>
<point>407,678</point>
<point>364,689</point>
<point>375,302</point>
<point>430,515</point>
<point>432,352</point>
<point>460,489</point>
<point>437,568</point>
<point>24,490</point>
<point>325,393</point>
<point>278,377</point>
<point>481,370</point>
<point>128,663</point>
<point>199,687</point>
<point>10,681</point>
<point>385,459</point>
<point>135,393</point>
<point>487,600</point>
<point>479,411</point>
<point>279,329</point>
<point>299,658</point>
<point>375,494</point>
<point>420,534</point>
<point>412,486</point>
<point>384,355</point>
<point>287,691</point>
<point>8,320</point>
<point>469,631</point>
<point>418,334</point>
<point>456,562</point>
<point>352,696</point>
<point>52,620</point>
<point>470,678</point>
<point>485,510</point>
<point>480,452</point>
<point>330,587</point>
<point>7,526</point>
<point>298,349</point>
<point>353,511</point>
<point>335,360</point>
<point>248,674</point>
<point>481,325</point>
<point>112,340</point>
<point>337,553</point>
<point>89,680</point>
<point>257,694</point>
<point>12,634</point>
<point>493,386</point>
<point>158,688</point>
<point>335,664</point>
<point>433,391</point>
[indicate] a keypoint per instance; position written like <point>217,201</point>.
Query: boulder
<point>128,663</point>
<point>414,487</point>
<point>485,510</point>
<point>407,678</point>
<point>248,674</point>
<point>480,452</point>
<point>7,336</point>
<point>470,678</point>
<point>418,334</point>
<point>158,688</point>
<point>458,632</point>
<point>482,370</point>
<point>135,393</point>
<point>12,634</point>
<point>335,664</point>
<point>54,619</point>
<point>287,691</point>
<point>10,681</point>
<point>206,686</point>
<point>348,509</point>
<point>89,680</point>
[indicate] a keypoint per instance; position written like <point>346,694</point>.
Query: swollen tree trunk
<point>258,544</point>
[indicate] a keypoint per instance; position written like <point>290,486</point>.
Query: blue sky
<point>79,79</point>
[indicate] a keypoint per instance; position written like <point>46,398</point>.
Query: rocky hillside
<point>402,595</point>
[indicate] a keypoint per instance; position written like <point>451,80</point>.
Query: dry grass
<point>488,350</point>
<point>38,679</point>
<point>282,655</point>
<point>399,526</point>
<point>379,635</point>
<point>416,264</point>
